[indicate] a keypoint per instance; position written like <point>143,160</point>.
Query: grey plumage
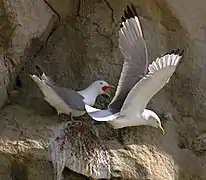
<point>158,76</point>
<point>133,47</point>
<point>73,99</point>
<point>136,86</point>
<point>66,100</point>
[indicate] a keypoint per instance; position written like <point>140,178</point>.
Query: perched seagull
<point>68,101</point>
<point>136,86</point>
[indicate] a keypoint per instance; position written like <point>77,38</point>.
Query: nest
<point>76,145</point>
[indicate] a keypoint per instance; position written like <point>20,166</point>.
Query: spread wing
<point>58,94</point>
<point>133,47</point>
<point>158,76</point>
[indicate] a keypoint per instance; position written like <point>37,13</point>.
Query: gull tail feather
<point>42,75</point>
<point>39,70</point>
<point>38,82</point>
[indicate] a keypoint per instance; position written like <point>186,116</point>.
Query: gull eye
<point>101,83</point>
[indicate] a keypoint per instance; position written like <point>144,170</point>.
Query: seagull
<point>136,85</point>
<point>67,101</point>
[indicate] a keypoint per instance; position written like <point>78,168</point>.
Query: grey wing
<point>72,98</point>
<point>158,76</point>
<point>133,47</point>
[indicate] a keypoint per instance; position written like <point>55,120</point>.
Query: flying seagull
<point>68,101</point>
<point>136,86</point>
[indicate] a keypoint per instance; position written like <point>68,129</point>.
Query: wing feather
<point>158,76</point>
<point>43,76</point>
<point>63,95</point>
<point>133,47</point>
<point>72,98</point>
<point>101,115</point>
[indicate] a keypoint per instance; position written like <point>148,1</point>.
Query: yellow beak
<point>163,131</point>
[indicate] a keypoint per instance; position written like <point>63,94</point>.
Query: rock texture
<point>21,22</point>
<point>78,45</point>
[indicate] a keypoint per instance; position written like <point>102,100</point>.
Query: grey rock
<point>80,46</point>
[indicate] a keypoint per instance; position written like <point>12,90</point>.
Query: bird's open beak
<point>104,88</point>
<point>161,128</point>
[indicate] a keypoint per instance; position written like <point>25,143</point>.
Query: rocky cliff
<point>76,42</point>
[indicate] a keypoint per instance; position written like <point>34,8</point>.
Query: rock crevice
<point>76,42</point>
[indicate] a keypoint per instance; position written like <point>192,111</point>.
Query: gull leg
<point>120,135</point>
<point>71,117</point>
<point>64,116</point>
<point>67,117</point>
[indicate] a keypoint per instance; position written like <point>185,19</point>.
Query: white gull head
<point>152,119</point>
<point>101,86</point>
<point>147,118</point>
<point>93,90</point>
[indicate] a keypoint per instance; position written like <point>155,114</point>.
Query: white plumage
<point>55,100</point>
<point>158,76</point>
<point>68,101</point>
<point>136,86</point>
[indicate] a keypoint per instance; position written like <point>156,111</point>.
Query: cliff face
<point>76,42</point>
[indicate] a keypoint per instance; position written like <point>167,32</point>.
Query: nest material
<point>198,146</point>
<point>76,145</point>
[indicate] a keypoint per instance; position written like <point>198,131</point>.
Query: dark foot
<point>71,118</point>
<point>64,117</point>
<point>121,135</point>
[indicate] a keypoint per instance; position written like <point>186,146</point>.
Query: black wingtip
<point>129,12</point>
<point>122,20</point>
<point>39,69</point>
<point>126,14</point>
<point>177,51</point>
<point>134,10</point>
